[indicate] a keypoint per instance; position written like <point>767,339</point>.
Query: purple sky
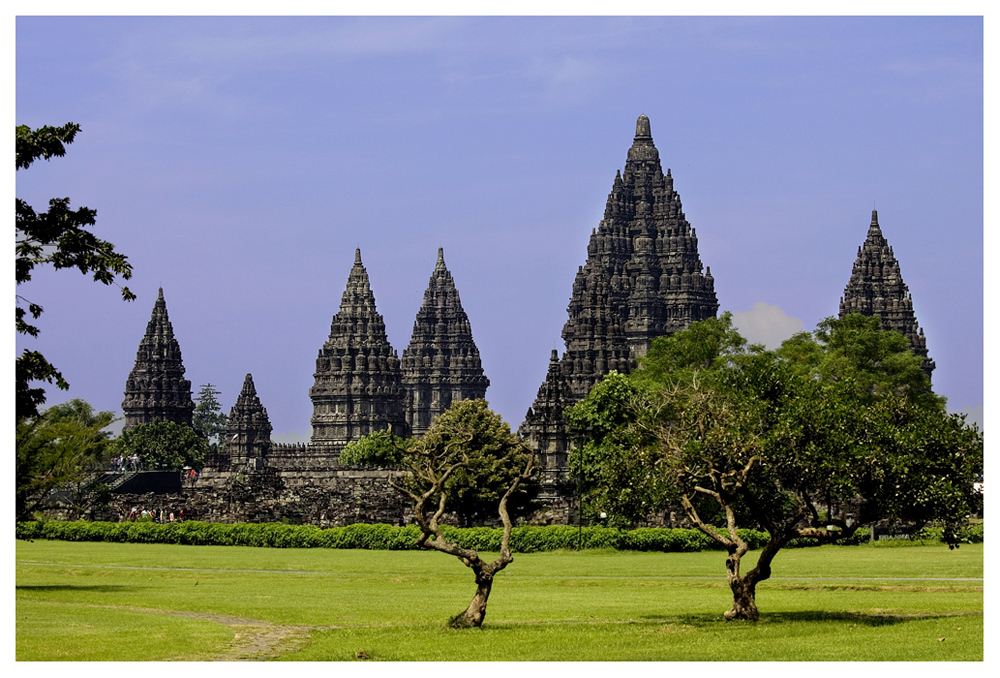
<point>238,162</point>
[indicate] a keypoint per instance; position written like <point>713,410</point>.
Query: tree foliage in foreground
<point>830,432</point>
<point>57,448</point>
<point>56,237</point>
<point>468,460</point>
<point>163,445</point>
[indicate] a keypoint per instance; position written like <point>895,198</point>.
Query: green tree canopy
<point>57,448</point>
<point>208,419</point>
<point>56,237</point>
<point>814,440</point>
<point>163,445</point>
<point>469,461</point>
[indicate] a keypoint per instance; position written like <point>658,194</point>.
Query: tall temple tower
<point>156,389</point>
<point>248,431</point>
<point>441,365</point>
<point>643,277</point>
<point>876,288</point>
<point>358,387</point>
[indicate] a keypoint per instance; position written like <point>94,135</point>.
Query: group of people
<point>157,516</point>
<point>123,463</point>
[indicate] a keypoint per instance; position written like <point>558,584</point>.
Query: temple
<point>248,432</point>
<point>642,279</point>
<point>156,389</point>
<point>441,365</point>
<point>876,288</point>
<point>358,388</point>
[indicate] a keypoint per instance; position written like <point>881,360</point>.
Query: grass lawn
<point>97,601</point>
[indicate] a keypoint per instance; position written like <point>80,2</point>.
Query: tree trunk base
<point>472,617</point>
<point>465,621</point>
<point>744,602</point>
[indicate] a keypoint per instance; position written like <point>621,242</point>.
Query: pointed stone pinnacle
<point>357,257</point>
<point>156,389</point>
<point>441,364</point>
<point>642,127</point>
<point>876,288</point>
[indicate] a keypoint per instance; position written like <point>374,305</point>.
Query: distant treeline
<point>526,539</point>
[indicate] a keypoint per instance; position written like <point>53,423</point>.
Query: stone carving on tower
<point>248,431</point>
<point>545,430</point>
<point>643,276</point>
<point>156,389</point>
<point>358,383</point>
<point>876,288</point>
<point>441,365</point>
<point>642,279</point>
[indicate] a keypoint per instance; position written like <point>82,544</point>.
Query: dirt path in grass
<point>253,639</point>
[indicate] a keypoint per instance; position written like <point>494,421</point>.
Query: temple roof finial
<point>357,256</point>
<point>440,261</point>
<point>642,127</point>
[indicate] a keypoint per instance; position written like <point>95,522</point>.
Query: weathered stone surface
<point>441,365</point>
<point>546,431</point>
<point>358,383</point>
<point>876,288</point>
<point>156,389</point>
<point>642,278</point>
<point>248,433</point>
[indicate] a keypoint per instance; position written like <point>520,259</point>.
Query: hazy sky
<point>238,162</point>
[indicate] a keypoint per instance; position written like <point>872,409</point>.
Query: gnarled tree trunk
<point>474,615</point>
<point>744,600</point>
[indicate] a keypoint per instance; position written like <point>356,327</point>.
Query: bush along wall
<point>526,539</point>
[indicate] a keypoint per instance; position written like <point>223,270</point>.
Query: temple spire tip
<point>642,127</point>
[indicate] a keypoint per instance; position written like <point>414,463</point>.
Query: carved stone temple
<point>359,387</point>
<point>248,433</point>
<point>441,365</point>
<point>876,288</point>
<point>156,389</point>
<point>642,279</point>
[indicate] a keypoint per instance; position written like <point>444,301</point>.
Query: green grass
<point>78,600</point>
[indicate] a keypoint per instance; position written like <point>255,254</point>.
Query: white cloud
<point>766,324</point>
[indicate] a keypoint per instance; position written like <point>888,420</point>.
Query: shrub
<point>524,539</point>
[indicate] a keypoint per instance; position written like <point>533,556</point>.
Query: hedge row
<point>526,539</point>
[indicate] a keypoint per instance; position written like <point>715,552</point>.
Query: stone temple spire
<point>358,387</point>
<point>876,288</point>
<point>544,428</point>
<point>643,276</point>
<point>156,389</point>
<point>441,365</point>
<point>248,430</point>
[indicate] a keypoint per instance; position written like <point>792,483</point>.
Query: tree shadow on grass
<point>99,588</point>
<point>800,617</point>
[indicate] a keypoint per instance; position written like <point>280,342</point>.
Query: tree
<point>815,440</point>
<point>56,237</point>
<point>163,445</point>
<point>57,448</point>
<point>468,459</point>
<point>208,419</point>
